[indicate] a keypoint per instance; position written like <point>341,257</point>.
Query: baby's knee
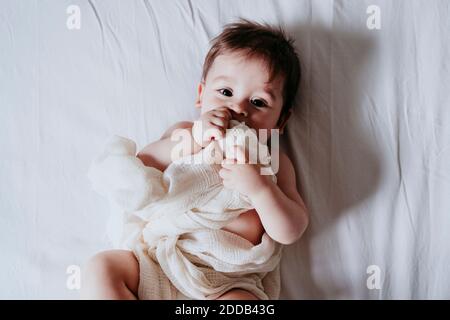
<point>115,266</point>
<point>110,274</point>
<point>100,264</point>
<point>99,271</point>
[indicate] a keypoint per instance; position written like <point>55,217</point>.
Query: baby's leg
<point>238,294</point>
<point>111,275</point>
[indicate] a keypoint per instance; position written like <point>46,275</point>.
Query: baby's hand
<point>238,174</point>
<point>211,125</point>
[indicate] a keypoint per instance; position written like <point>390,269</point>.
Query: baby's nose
<point>238,108</point>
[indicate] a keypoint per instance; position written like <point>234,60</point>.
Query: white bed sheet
<point>370,139</point>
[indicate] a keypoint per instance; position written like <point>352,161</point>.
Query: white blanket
<point>172,221</point>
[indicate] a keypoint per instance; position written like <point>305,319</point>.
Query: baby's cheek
<point>218,102</point>
<point>208,104</point>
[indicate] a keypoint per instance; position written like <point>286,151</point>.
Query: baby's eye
<point>226,92</point>
<point>258,103</point>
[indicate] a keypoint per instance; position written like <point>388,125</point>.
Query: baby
<point>251,74</point>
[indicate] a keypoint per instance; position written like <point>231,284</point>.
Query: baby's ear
<point>198,101</point>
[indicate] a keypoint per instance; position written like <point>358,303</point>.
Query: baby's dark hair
<point>262,41</point>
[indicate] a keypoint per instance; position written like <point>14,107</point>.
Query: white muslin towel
<point>172,222</point>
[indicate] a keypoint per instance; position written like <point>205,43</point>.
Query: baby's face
<point>241,84</point>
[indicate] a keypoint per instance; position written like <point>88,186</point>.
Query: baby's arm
<point>280,206</point>
<point>158,154</point>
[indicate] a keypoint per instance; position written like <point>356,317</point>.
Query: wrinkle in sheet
<point>99,21</point>
<point>187,14</point>
<point>141,81</point>
<point>191,9</point>
<point>37,88</point>
<point>195,19</point>
<point>203,25</point>
<point>402,186</point>
<point>150,11</point>
<point>115,37</point>
<point>415,58</point>
<point>191,12</point>
<point>404,109</point>
<point>9,28</point>
<point>425,236</point>
<point>105,41</point>
<point>372,112</point>
<point>119,45</point>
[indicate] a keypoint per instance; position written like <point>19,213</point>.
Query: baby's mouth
<point>238,118</point>
<point>239,122</point>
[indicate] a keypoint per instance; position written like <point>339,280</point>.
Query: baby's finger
<point>214,132</point>
<point>223,112</point>
<point>220,122</point>
<point>240,154</point>
<point>222,108</point>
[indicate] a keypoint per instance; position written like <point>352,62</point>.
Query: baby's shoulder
<point>284,158</point>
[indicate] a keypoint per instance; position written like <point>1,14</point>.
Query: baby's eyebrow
<point>221,78</point>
